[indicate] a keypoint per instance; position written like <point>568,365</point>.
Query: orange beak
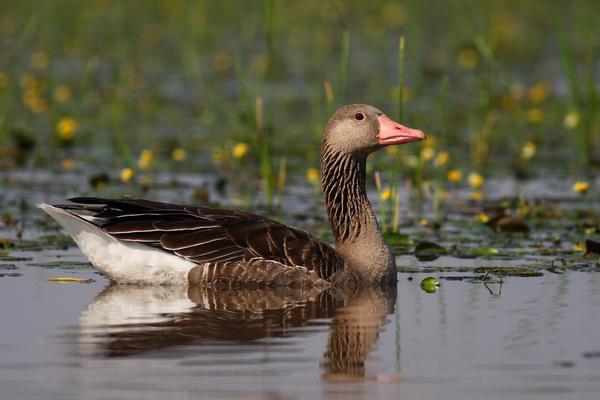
<point>391,132</point>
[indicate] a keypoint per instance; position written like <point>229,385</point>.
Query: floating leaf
<point>430,284</point>
<point>63,264</point>
<point>510,224</point>
<point>504,221</point>
<point>395,238</point>
<point>398,242</point>
<point>14,259</point>
<point>511,271</point>
<point>71,280</point>
<point>6,243</point>
<point>485,251</point>
<point>10,274</point>
<point>429,251</point>
<point>592,247</point>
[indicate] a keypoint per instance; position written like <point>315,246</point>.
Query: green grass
<point>149,74</point>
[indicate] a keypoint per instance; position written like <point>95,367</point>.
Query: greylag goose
<point>140,241</point>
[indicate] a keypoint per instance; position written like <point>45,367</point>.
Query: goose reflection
<point>132,320</point>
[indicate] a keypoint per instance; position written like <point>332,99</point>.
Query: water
<point>537,339</point>
<point>515,337</point>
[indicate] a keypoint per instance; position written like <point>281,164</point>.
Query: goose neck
<point>355,228</point>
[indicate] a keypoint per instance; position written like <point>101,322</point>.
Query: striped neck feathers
<point>343,180</point>
<point>357,235</point>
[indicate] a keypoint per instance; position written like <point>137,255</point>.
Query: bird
<point>135,241</point>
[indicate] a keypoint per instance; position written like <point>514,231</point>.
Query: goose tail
<point>120,261</point>
<point>74,224</point>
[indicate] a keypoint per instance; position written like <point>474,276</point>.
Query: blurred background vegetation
<point>124,89</point>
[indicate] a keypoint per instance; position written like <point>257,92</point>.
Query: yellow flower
<point>579,247</point>
<point>62,94</point>
<point>477,195</point>
<point>538,93</point>
<point>571,120</point>
<point>468,58</point>
<point>475,180</point>
<point>581,187</point>
<point>3,80</point>
<point>313,175</point>
<point>39,60</point>
<point>391,150</point>
<point>145,159</point>
<point>482,217</point>
<point>427,153</point>
<point>127,174</point>
<point>218,156</point>
<point>386,194</point>
<point>66,127</point>
<point>67,164</point>
<point>178,154</point>
<point>454,175</point>
<point>430,142</point>
<point>528,150</point>
<point>535,115</point>
<point>240,150</point>
<point>424,221</point>
<point>441,159</point>
<point>33,101</point>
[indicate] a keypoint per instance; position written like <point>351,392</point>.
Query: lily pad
<point>71,280</point>
<point>429,251</point>
<point>592,247</point>
<point>62,264</point>
<point>483,252</point>
<point>15,259</point>
<point>397,238</point>
<point>10,274</point>
<point>511,271</point>
<point>508,223</point>
<point>430,284</point>
<point>400,243</point>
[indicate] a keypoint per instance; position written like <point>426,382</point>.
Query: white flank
<point>123,262</point>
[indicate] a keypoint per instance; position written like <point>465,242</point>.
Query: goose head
<point>360,129</point>
<point>353,132</point>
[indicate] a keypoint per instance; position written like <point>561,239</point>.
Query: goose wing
<point>208,235</point>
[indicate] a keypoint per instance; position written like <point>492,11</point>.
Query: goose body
<point>146,242</point>
<point>138,241</point>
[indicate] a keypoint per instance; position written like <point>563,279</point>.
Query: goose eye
<point>359,116</point>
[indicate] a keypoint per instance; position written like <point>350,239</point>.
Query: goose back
<point>228,245</point>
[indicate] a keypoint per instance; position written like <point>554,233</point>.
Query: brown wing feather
<point>208,235</point>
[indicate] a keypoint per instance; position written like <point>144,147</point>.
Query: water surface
<point>537,339</point>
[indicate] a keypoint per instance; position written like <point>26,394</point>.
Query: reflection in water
<point>131,320</point>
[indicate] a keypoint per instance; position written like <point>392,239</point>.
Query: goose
<point>147,242</point>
